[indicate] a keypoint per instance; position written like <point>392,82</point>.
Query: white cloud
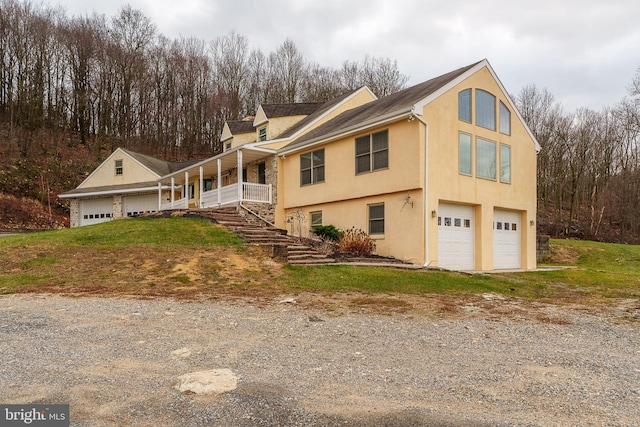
<point>584,51</point>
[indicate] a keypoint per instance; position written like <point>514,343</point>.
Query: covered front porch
<point>219,181</point>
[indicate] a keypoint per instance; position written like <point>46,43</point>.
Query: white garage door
<point>456,248</point>
<point>94,211</point>
<point>506,239</point>
<point>134,205</point>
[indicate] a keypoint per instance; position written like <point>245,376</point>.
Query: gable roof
<point>285,110</point>
<point>156,166</point>
<point>389,106</point>
<point>316,114</point>
<point>237,127</point>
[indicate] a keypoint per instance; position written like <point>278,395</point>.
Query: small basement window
<point>316,218</point>
<point>376,219</point>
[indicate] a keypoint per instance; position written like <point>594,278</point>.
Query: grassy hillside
<point>188,257</point>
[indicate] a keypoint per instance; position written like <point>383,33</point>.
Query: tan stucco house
<point>125,184</point>
<point>442,174</point>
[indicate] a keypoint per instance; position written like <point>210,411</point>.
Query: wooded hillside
<point>72,89</point>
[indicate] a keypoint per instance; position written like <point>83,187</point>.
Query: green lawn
<point>137,254</point>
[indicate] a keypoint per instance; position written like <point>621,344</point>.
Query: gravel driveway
<point>116,362</point>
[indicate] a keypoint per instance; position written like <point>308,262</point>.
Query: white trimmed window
<point>464,105</point>
<point>376,218</point>
<point>372,152</point>
<point>505,163</point>
<point>464,154</point>
<point>119,168</point>
<point>485,109</point>
<point>262,133</point>
<point>485,158</point>
<point>312,167</point>
<point>316,218</point>
<point>505,119</point>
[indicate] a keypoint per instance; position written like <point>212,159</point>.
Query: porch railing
<point>258,193</point>
<point>177,204</point>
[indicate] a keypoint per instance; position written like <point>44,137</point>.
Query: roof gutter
<point>109,192</point>
<point>216,157</point>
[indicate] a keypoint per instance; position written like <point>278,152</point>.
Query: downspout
<point>426,186</point>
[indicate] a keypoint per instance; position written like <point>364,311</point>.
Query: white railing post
<point>185,192</point>
<point>173,195</point>
<point>159,196</point>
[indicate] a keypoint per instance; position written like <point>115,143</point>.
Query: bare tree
<point>382,76</point>
<point>131,34</point>
<point>231,65</point>
<point>286,71</point>
<point>321,84</point>
<point>79,39</point>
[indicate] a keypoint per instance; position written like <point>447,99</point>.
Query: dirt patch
<point>144,271</point>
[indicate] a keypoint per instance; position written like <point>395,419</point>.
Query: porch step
<point>264,235</point>
<point>311,261</point>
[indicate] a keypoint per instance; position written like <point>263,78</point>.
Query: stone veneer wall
<point>543,251</point>
<point>265,210</point>
<point>74,213</point>
<point>117,206</point>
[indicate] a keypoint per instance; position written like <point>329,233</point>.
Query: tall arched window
<point>485,109</point>
<point>464,105</point>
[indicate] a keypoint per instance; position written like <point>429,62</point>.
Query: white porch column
<point>201,187</point>
<point>240,175</point>
<point>219,161</point>
<point>185,194</point>
<point>173,195</point>
<point>159,196</point>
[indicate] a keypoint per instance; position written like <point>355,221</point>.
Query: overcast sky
<point>585,52</point>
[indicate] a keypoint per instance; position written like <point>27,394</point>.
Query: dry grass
<point>563,255</point>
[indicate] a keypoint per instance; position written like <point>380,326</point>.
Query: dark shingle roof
<point>396,102</point>
<point>285,110</point>
<point>313,116</point>
<point>238,127</point>
<point>159,167</point>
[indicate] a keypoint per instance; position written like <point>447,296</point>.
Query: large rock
<point>215,381</point>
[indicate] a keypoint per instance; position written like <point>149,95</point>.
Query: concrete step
<point>314,256</point>
<point>256,233</point>
<point>312,261</point>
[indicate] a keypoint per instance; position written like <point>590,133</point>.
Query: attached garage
<point>456,246</point>
<point>134,205</point>
<point>506,239</point>
<point>95,211</point>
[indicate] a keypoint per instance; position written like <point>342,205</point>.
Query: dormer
<point>273,119</point>
<point>236,133</point>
